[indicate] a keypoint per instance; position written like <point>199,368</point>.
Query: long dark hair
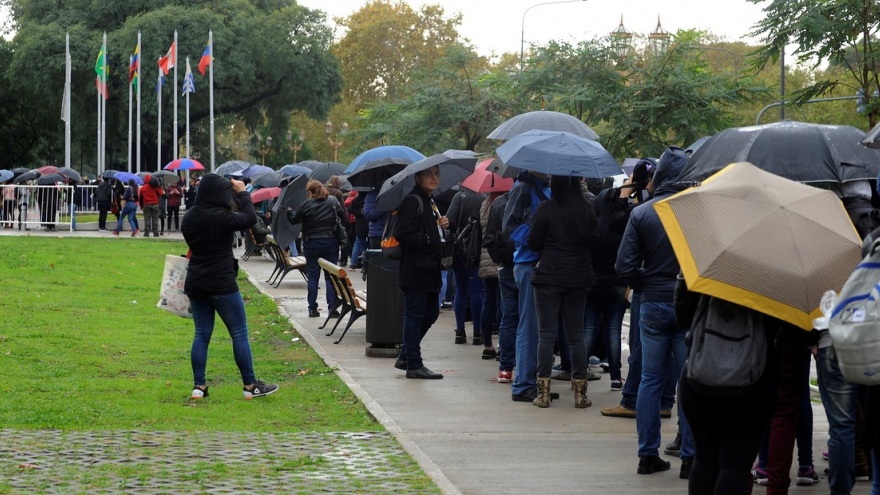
<point>577,216</point>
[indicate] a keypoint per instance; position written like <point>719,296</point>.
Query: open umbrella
<point>454,166</point>
<point>294,170</point>
<point>291,196</point>
<point>558,153</point>
<point>265,193</point>
<point>543,120</point>
<point>310,164</point>
<point>5,175</point>
<point>232,166</point>
<point>184,164</point>
<point>690,150</point>
<point>50,179</point>
<point>384,155</point>
<point>71,174</point>
<point>167,177</point>
<point>47,169</point>
<point>109,174</point>
<point>795,150</point>
<point>872,139</point>
<point>255,170</point>
<point>20,170</point>
<point>327,170</point>
<point>762,241</point>
<point>124,177</point>
<point>268,179</point>
<point>27,176</point>
<point>485,181</point>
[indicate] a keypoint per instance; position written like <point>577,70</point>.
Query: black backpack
<point>469,244</point>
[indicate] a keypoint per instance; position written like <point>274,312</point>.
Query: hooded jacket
<point>522,202</point>
<point>645,259</point>
<point>209,229</point>
<point>148,194</point>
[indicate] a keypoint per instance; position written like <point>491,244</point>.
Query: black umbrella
<point>167,177</point>
<point>71,174</point>
<point>543,120</point>
<point>27,176</point>
<point>108,174</point>
<point>795,150</point>
<point>373,174</point>
<point>310,164</point>
<point>20,170</point>
<point>454,166</point>
<point>291,196</point>
<point>268,179</point>
<point>50,179</point>
<point>327,170</point>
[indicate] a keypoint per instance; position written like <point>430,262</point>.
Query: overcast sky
<point>497,26</point>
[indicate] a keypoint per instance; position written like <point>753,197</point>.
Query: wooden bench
<point>251,245</point>
<point>284,263</point>
<point>348,300</point>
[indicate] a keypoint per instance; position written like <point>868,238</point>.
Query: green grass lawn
<point>83,347</point>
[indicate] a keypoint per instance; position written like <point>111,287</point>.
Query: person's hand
<point>443,222</point>
<point>237,185</point>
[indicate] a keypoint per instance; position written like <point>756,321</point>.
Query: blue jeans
<point>73,216</point>
<point>526,332</point>
<point>327,248</point>
<point>604,311</point>
<point>443,286</point>
<point>662,338</point>
<point>419,313</point>
<point>634,375</point>
<point>468,286</point>
<point>553,303</point>
<point>509,319</point>
<point>230,307</point>
<point>360,245</point>
<point>840,399</point>
<point>128,211</point>
<point>491,313</point>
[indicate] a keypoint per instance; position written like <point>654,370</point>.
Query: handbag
<point>340,232</point>
<point>447,253</point>
<point>171,295</point>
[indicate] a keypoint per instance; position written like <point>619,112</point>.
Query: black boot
<point>674,448</point>
<point>460,337</point>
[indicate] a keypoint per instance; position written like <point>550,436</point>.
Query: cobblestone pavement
<point>172,462</point>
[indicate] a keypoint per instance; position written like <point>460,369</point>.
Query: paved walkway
<point>465,431</point>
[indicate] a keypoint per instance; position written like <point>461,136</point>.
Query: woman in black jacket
<point>221,208</point>
<point>419,231</point>
<point>318,215</point>
<point>562,232</point>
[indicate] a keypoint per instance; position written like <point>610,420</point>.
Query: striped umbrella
<point>184,164</point>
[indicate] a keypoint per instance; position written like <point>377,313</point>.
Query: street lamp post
<point>296,145</point>
<point>659,38</point>
<point>522,39</point>
<point>264,150</point>
<point>335,141</point>
<point>621,40</point>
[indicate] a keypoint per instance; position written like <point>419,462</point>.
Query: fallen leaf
<point>25,465</point>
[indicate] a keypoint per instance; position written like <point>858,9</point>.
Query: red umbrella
<point>184,164</point>
<point>265,193</point>
<point>484,181</point>
<point>48,169</point>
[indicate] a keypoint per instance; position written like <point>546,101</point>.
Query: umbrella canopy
<point>268,179</point>
<point>109,174</point>
<point>486,181</point>
<point>5,175</point>
<point>786,244</point>
<point>558,153</point>
<point>696,145</point>
<point>543,120</point>
<point>231,167</point>
<point>265,193</point>
<point>27,176</point>
<point>20,170</point>
<point>48,169</point>
<point>794,150</point>
<point>327,170</point>
<point>71,174</point>
<point>124,177</point>
<point>373,174</point>
<point>49,179</point>
<point>167,177</point>
<point>255,170</point>
<point>871,140</point>
<point>294,170</point>
<point>389,154</point>
<point>184,164</point>
<point>454,165</point>
<point>291,196</point>
<point>310,164</point>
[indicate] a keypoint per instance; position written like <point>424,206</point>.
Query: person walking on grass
<point>221,208</point>
<point>129,208</point>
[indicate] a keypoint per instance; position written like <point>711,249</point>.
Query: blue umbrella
<point>5,175</point>
<point>558,153</point>
<point>294,170</point>
<point>124,177</point>
<point>388,153</point>
<point>254,170</point>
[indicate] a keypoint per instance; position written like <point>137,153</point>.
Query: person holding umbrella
<point>420,232</point>
<point>129,208</point>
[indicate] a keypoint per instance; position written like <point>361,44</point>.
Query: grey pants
<point>151,218</point>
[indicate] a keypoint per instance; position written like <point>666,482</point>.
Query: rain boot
<point>580,394</point>
<point>542,399</point>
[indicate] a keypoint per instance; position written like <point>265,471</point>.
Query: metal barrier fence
<point>30,206</point>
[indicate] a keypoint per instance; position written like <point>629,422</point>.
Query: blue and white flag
<point>189,85</point>
<point>160,82</point>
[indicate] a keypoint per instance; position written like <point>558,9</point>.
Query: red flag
<point>207,57</point>
<point>167,62</point>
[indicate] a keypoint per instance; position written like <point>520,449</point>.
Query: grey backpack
<point>728,348</point>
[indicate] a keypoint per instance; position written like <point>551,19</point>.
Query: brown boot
<point>580,394</point>
<point>543,397</point>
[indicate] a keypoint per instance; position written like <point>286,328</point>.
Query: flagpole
<point>130,60</point>
<point>138,96</point>
<point>188,71</point>
<point>98,126</point>
<point>211,92</point>
<point>104,109</point>
<point>159,118</point>
<point>174,156</point>
<point>67,70</point>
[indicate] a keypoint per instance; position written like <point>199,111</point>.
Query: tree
<point>386,43</point>
<point>271,57</point>
<point>841,31</point>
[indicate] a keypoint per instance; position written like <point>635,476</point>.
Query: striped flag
<point>101,73</point>
<point>189,85</point>
<point>167,62</point>
<point>207,58</point>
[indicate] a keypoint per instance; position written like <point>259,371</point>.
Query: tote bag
<point>171,295</point>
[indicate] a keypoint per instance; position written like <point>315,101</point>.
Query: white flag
<point>65,101</point>
<point>189,85</point>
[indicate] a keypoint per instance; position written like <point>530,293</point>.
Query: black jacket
<point>208,228</point>
<point>498,246</point>
<point>419,237</point>
<point>104,192</point>
<point>603,249</point>
<point>562,263</point>
<point>318,217</point>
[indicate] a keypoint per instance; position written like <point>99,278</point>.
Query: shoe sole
<point>806,481</point>
<point>504,380</point>
<point>652,470</point>
<point>673,453</point>
<point>249,396</point>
